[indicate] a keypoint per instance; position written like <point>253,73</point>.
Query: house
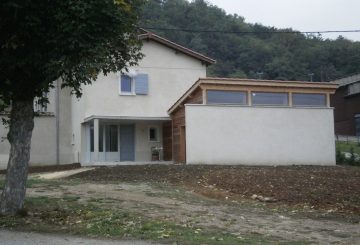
<point>254,122</point>
<point>346,101</point>
<point>120,117</point>
<point>124,118</point>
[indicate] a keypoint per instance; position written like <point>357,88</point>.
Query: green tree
<point>41,41</point>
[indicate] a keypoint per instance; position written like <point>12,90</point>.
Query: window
<point>153,134</point>
<point>126,85</point>
<point>266,98</point>
<point>138,85</point>
<point>39,104</point>
<point>357,124</point>
<point>226,97</point>
<point>92,138</point>
<point>111,136</point>
<point>309,99</point>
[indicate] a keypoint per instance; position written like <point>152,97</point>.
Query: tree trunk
<point>19,136</point>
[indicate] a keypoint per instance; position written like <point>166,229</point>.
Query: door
<point>127,143</point>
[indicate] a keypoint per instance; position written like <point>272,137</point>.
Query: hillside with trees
<point>256,51</point>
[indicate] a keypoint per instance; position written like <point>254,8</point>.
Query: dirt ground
<point>186,208</point>
<point>335,189</point>
<point>309,205</point>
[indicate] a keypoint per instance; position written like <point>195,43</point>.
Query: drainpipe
<point>57,120</point>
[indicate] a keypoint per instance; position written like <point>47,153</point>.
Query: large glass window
<point>226,97</point>
<point>357,124</point>
<point>111,136</point>
<point>266,98</point>
<point>309,99</point>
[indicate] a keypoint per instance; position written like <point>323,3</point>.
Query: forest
<point>247,50</point>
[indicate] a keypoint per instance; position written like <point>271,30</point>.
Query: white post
<point>96,140</point>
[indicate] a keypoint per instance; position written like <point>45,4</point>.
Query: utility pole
<point>311,76</point>
<point>259,74</point>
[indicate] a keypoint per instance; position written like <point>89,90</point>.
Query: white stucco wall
<point>170,75</point>
<point>259,135</point>
<point>43,143</point>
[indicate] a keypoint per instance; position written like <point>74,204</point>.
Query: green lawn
<point>345,147</point>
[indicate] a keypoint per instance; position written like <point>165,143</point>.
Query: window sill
<point>127,94</point>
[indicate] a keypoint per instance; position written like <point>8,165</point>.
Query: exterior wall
<point>167,140</point>
<point>170,75</point>
<point>43,143</point>
<point>44,139</point>
<point>345,109</point>
<point>259,135</point>
<point>178,121</point>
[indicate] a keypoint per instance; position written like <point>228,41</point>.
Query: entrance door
<point>127,143</point>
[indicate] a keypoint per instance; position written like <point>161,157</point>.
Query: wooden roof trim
<point>275,83</point>
<point>177,47</point>
<point>202,82</point>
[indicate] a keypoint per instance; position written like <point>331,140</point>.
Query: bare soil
<point>335,189</point>
<point>54,168</point>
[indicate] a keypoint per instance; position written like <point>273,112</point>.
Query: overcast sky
<point>301,15</point>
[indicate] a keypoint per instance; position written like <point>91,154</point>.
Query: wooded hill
<point>285,56</point>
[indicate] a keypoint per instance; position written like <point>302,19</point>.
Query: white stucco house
<point>166,109</point>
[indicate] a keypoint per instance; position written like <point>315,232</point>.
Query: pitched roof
<point>252,82</point>
<point>151,36</point>
<point>348,80</point>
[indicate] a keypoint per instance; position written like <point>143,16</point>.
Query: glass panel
<point>226,97</point>
<point>265,98</point>
<point>153,134</point>
<point>126,84</point>
<point>111,135</point>
<point>101,138</point>
<point>357,124</point>
<point>91,139</point>
<point>309,99</point>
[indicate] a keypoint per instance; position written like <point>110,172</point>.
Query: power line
<point>249,32</point>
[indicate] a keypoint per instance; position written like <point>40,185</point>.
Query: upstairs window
<point>137,85</point>
<point>226,97</point>
<point>266,98</point>
<point>309,99</point>
<point>126,85</point>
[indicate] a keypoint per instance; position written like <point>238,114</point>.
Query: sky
<point>301,15</point>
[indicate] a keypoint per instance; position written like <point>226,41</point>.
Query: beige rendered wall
<point>259,135</point>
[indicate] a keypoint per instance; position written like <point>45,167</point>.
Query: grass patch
<point>345,147</point>
<point>67,215</point>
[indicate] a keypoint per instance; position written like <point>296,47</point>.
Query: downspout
<point>57,121</point>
